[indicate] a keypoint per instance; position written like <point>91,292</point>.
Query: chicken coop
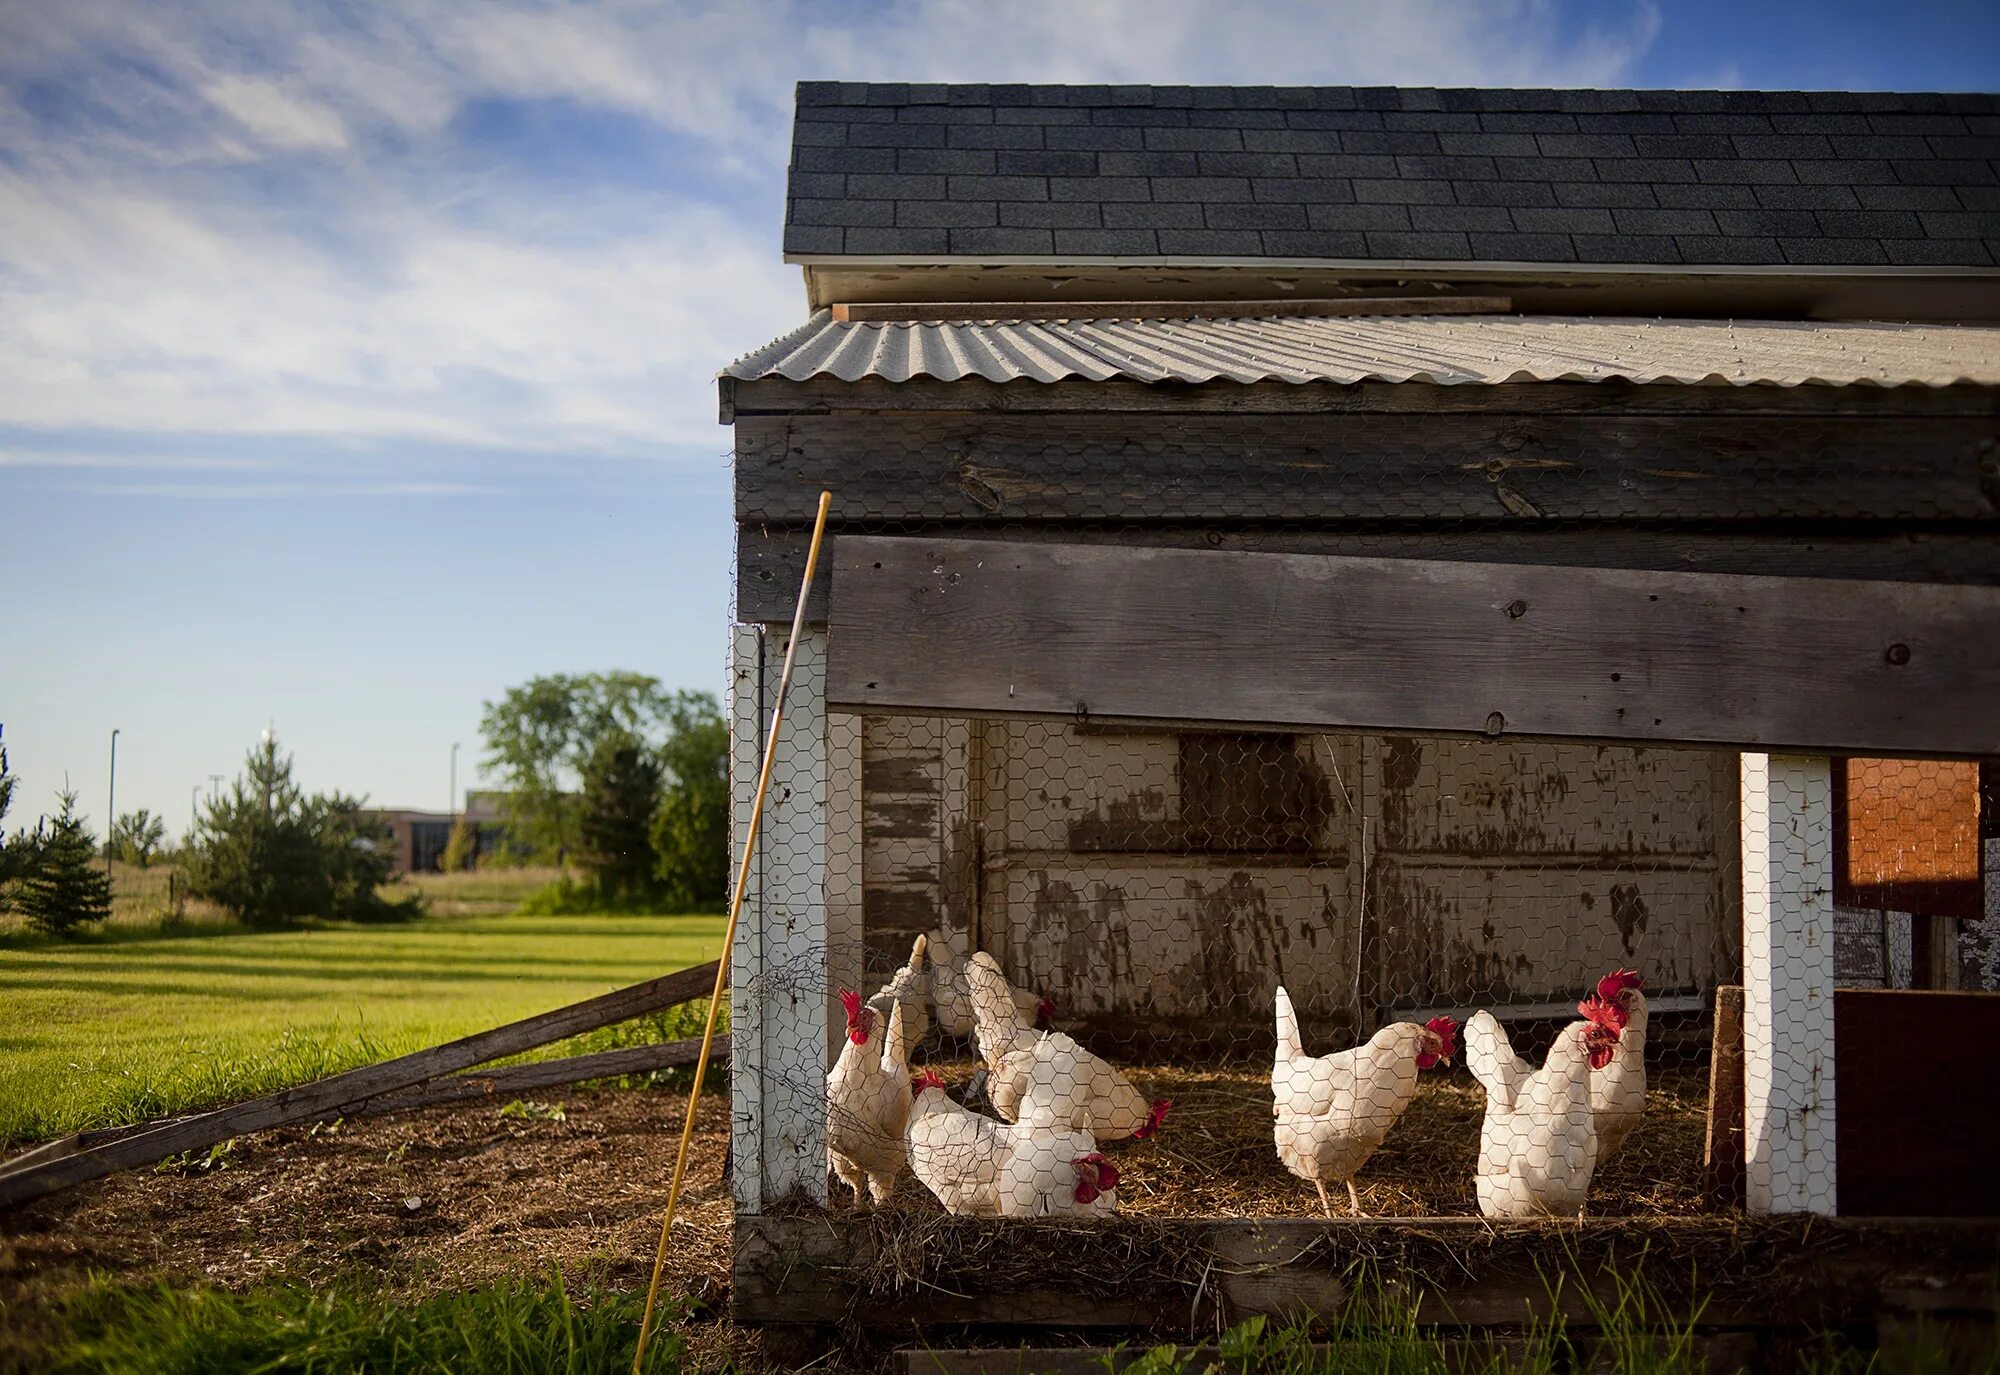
<point>1515,566</point>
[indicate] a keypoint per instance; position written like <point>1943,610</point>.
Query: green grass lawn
<point>133,1024</point>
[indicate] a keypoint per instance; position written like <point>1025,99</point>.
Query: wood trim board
<point>1330,642</point>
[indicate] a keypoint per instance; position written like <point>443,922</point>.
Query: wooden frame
<point>1085,631</point>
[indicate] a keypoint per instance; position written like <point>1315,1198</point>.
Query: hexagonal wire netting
<point>1074,967</point>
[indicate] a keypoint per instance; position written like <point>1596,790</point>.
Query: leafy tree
<point>621,792</point>
<point>66,885</point>
<point>269,853</point>
<point>137,837</point>
<point>691,828</point>
<point>11,850</point>
<point>460,847</point>
<point>540,735</point>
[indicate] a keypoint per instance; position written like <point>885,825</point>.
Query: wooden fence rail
<point>48,1171</point>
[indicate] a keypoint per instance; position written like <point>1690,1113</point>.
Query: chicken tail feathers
<point>1290,1046</point>
<point>1490,1057</point>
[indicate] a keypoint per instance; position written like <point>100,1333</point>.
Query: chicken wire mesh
<point>1193,971</point>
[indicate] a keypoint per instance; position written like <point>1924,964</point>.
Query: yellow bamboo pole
<point>729,931</point>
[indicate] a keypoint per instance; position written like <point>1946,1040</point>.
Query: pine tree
<point>12,850</point>
<point>460,847</point>
<point>67,885</point>
<point>621,792</point>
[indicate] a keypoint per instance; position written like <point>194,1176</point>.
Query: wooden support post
<point>1787,804</point>
<point>778,971</point>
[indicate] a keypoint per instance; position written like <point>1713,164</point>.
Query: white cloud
<point>280,119</point>
<point>257,218</point>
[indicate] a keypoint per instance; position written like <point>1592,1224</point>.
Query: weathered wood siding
<point>1182,874</point>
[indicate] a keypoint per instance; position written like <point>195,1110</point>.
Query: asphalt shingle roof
<point>1709,178</point>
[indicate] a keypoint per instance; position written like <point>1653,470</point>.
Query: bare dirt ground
<point>446,1197</point>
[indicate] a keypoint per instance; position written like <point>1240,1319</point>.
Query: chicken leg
<point>1354,1199</point>
<point>1324,1201</point>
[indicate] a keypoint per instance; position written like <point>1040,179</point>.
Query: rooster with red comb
<point>1618,1090</point>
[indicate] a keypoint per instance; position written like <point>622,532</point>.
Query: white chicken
<point>1072,1087</point>
<point>1618,1091</point>
<point>951,996</point>
<point>1332,1111</point>
<point>1538,1142</point>
<point>910,985</point>
<point>868,1098</point>
<point>981,1168</point>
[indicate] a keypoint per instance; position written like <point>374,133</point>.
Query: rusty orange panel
<point>1906,836</point>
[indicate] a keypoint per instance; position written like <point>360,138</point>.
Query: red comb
<point>1616,982</point>
<point>1094,1175</point>
<point>1446,1030</point>
<point>850,1000</point>
<point>1610,1016</point>
<point>1155,1119</point>
<point>1045,1010</point>
<point>926,1079</point>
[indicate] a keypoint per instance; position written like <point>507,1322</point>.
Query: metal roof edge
<point>1407,267</point>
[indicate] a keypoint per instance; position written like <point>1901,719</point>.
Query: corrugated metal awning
<point>1450,350</point>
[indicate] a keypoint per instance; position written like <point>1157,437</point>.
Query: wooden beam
<point>771,558</point>
<point>1102,467</point>
<point>458,1088</point>
<point>1722,1152</point>
<point>925,312</point>
<point>1085,632</point>
<point>1789,1098</point>
<point>325,1097</point>
<point>1468,1273</point>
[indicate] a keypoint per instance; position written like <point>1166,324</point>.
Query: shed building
<point>1425,548</point>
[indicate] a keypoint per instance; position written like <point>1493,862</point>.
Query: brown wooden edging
<point>1186,1275</point>
<point>1324,641</point>
<point>342,1092</point>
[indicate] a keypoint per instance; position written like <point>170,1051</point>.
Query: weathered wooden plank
<point>1467,1273</point>
<point>1365,467</point>
<point>907,312</point>
<point>778,396</point>
<point>1408,645</point>
<point>1722,1151</point>
<point>1916,1138</point>
<point>338,1092</point>
<point>771,558</point>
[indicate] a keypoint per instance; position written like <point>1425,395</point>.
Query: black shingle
<point>1028,162</point>
<point>1108,243</point>
<point>1524,248</point>
<point>1233,243</point>
<point>1256,216</point>
<point>1209,190</point>
<point>1050,215</point>
<point>1700,195</point>
<point>1816,196</point>
<point>1938,252</point>
<point>1312,244</point>
<point>1404,192</point>
<point>1302,190</point>
<point>1529,193</point>
<point>1435,246</point>
<point>965,161</point>
<point>1731,249</point>
<point>948,214</point>
<point>1626,248</point>
<point>997,188</point>
<point>1609,194</point>
<point>1674,222</point>
<point>1031,241</point>
<point>1569,220</point>
<point>1610,177</point>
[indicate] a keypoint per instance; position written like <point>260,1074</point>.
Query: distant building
<point>418,838</point>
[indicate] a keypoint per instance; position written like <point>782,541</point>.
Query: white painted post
<point>1787,810</point>
<point>778,974</point>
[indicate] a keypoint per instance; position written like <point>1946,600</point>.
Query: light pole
<point>111,807</point>
<point>453,807</point>
<point>194,809</point>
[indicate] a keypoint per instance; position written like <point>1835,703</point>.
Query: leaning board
<point>1307,640</point>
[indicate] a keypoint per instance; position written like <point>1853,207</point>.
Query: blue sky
<point>356,359</point>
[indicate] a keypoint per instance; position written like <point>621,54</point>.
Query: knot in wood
<point>1897,654</point>
<point>1516,609</point>
<point>1495,723</point>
